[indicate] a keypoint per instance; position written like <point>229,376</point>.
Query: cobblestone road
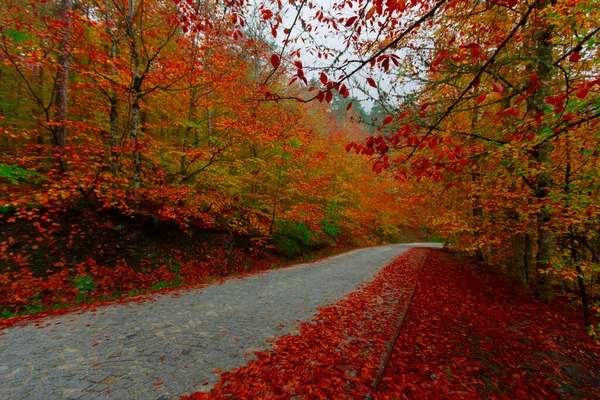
<point>169,347</point>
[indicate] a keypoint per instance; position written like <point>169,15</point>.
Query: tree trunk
<point>135,104</point>
<point>520,272</point>
<point>276,196</point>
<point>544,56</point>
<point>62,81</point>
<point>209,118</point>
<point>113,99</point>
<point>114,115</point>
<point>39,137</point>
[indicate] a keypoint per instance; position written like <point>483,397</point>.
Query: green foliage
<point>330,228</point>
<point>15,175</point>
<point>8,209</point>
<point>297,230</point>
<point>174,266</point>
<point>84,285</point>
<point>165,285</point>
<point>34,307</point>
<point>287,246</point>
<point>291,238</point>
<point>331,225</point>
<point>16,35</point>
<point>389,233</point>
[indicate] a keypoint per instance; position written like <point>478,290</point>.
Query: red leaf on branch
<point>498,87</point>
<point>582,92</point>
<point>388,120</point>
<point>344,91</point>
<point>370,13</point>
<point>275,60</point>
<point>323,78</point>
<point>533,78</point>
<point>321,96</point>
<point>350,21</point>
<point>575,57</point>
<point>371,82</point>
<point>481,98</point>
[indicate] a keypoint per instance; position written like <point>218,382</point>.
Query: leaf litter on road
<point>468,334</point>
<point>338,353</point>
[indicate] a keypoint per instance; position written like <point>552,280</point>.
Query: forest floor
<point>468,333</point>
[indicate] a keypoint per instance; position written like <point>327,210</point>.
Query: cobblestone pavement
<point>171,346</point>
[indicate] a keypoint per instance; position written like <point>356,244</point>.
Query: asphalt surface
<point>170,346</point>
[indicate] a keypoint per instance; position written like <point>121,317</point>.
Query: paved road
<point>126,351</point>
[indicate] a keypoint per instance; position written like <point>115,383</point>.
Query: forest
<point>150,143</point>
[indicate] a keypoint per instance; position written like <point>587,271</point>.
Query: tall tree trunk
<point>544,55</point>
<point>135,103</point>
<point>112,141</point>
<point>518,259</point>
<point>62,81</point>
<point>40,88</point>
<point>209,118</point>
<point>277,192</point>
<point>113,99</point>
<point>113,114</point>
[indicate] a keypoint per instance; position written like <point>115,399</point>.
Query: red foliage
<point>469,334</point>
<point>338,353</point>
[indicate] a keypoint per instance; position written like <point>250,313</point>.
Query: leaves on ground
<point>335,355</point>
<point>468,334</point>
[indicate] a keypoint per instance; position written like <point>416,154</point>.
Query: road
<point>170,346</point>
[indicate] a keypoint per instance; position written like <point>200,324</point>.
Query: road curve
<point>172,345</point>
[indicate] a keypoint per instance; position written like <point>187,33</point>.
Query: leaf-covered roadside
<point>338,354</point>
<point>470,334</point>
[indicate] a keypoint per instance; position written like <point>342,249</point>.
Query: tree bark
<point>135,103</point>
<point>520,272</point>
<point>112,141</point>
<point>62,81</point>
<point>544,58</point>
<point>113,98</point>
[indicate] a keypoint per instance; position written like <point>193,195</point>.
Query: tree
<point>486,107</point>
